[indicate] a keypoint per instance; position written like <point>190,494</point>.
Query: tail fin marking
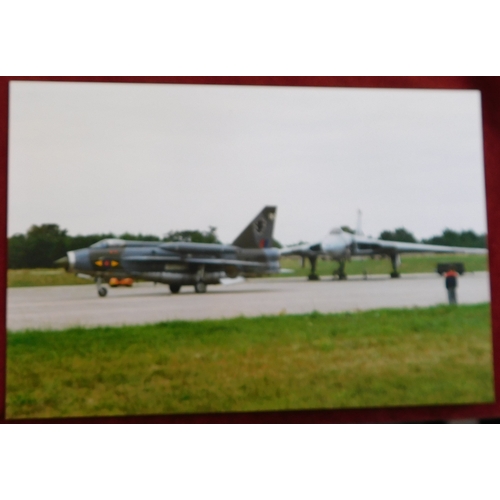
<point>259,233</point>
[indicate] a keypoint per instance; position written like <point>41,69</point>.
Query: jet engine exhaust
<point>62,262</point>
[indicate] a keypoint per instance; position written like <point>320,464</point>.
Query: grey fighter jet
<point>178,264</point>
<point>340,245</point>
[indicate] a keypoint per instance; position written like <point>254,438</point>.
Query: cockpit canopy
<point>336,230</point>
<point>109,242</point>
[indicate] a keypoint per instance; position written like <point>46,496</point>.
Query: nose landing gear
<point>340,271</point>
<point>101,291</point>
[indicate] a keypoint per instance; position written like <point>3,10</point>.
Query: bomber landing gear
<point>175,288</point>
<point>340,271</point>
<point>396,262</point>
<point>102,292</point>
<point>313,276</point>
<point>200,287</point>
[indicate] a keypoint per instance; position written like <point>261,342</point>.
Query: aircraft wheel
<point>200,287</point>
<point>175,288</point>
<point>102,292</point>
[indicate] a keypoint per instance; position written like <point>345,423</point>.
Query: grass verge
<point>439,355</point>
<point>42,277</point>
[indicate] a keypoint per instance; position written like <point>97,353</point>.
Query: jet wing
<point>305,249</point>
<point>224,262</point>
<point>185,247</point>
<point>194,260</point>
<point>154,258</point>
<point>384,246</point>
<point>374,246</point>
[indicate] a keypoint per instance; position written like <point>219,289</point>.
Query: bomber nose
<point>62,262</point>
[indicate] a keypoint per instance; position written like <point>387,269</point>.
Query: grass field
<point>42,277</point>
<point>410,264</point>
<point>439,355</point>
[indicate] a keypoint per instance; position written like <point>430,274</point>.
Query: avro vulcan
<point>340,245</point>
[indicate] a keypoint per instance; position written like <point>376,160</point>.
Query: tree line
<point>448,238</point>
<point>44,244</point>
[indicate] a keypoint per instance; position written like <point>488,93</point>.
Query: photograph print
<point>203,249</point>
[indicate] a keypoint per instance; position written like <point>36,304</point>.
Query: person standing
<point>451,281</point>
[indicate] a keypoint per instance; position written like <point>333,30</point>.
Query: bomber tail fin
<point>259,233</point>
<point>359,231</point>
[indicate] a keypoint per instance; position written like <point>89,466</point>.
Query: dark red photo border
<point>490,98</point>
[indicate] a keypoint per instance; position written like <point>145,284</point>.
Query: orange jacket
<point>451,278</point>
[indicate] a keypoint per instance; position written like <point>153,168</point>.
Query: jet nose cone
<point>62,262</point>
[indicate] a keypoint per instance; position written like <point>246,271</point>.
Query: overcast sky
<point>97,157</point>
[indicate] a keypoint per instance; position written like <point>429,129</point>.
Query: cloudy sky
<point>154,158</point>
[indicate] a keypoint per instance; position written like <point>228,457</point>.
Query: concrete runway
<point>64,306</point>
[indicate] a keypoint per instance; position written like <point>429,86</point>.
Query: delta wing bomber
<point>340,245</point>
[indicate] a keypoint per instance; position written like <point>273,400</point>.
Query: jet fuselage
<point>171,263</point>
<point>180,263</point>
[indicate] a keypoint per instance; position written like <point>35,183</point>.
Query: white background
<point>387,37</point>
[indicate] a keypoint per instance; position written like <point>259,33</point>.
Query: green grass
<point>42,277</point>
<point>409,264</point>
<point>439,355</point>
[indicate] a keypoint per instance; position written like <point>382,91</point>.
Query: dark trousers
<point>452,296</point>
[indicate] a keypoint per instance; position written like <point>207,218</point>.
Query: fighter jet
<point>178,264</point>
<point>340,245</point>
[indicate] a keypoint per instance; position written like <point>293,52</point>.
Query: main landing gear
<point>101,291</point>
<point>340,271</point>
<point>396,262</point>
<point>199,286</point>
<point>312,275</point>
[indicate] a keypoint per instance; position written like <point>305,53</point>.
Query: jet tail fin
<point>259,233</point>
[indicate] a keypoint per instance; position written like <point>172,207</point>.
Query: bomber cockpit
<point>336,230</point>
<point>109,242</point>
